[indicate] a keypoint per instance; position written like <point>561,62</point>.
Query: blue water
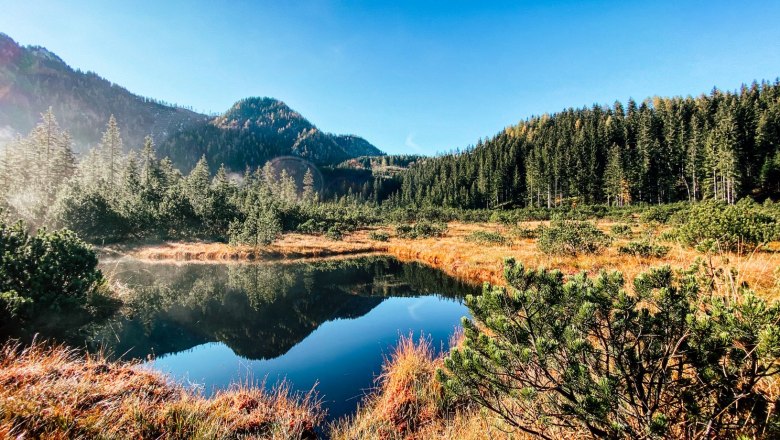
<point>326,326</point>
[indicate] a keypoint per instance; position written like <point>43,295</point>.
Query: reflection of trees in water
<point>258,310</point>
<point>262,283</point>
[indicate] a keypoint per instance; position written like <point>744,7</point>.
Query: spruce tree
<point>111,152</point>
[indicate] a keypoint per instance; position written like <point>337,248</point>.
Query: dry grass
<point>291,245</point>
<point>407,399</point>
<point>409,403</point>
<point>60,393</point>
<point>478,262</point>
<point>474,261</point>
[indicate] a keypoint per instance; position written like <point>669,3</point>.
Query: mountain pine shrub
<point>571,237</point>
<point>644,249</point>
<point>739,227</point>
<point>672,359</point>
<point>46,271</point>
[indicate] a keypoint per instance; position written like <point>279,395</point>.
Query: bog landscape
<point>593,271</point>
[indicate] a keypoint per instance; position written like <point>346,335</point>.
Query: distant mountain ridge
<point>32,79</point>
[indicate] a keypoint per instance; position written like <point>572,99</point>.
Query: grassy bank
<point>409,403</point>
<point>59,393</point>
<point>458,255</point>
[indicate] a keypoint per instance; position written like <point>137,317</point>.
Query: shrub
<point>662,213</point>
<point>522,232</point>
<point>46,271</point>
<point>487,237</point>
<point>668,361</point>
<point>621,230</point>
<point>378,236</point>
<point>421,229</point>
<point>90,215</point>
<point>643,249</point>
<point>334,233</point>
<point>743,226</point>
<point>568,237</point>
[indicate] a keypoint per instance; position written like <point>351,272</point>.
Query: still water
<point>328,324</point>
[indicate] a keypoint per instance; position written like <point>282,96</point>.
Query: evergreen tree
<point>669,360</point>
<point>198,182</point>
<point>308,186</point>
<point>614,177</point>
<point>110,151</point>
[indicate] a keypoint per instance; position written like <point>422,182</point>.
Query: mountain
<point>255,130</point>
<point>32,79</point>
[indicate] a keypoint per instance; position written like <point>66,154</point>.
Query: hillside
<point>32,79</point>
<point>254,130</point>
<point>723,145</point>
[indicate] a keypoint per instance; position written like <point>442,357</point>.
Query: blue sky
<point>416,76</point>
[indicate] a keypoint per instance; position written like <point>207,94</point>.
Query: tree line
<point>110,195</point>
<point>722,146</point>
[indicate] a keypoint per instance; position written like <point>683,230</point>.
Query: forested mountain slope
<point>32,79</point>
<point>255,130</point>
<point>724,145</point>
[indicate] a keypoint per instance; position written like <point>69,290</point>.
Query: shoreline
<point>453,254</point>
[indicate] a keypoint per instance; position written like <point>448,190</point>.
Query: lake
<point>329,323</point>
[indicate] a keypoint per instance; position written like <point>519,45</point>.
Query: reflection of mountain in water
<point>258,310</point>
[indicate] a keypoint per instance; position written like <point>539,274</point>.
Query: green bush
<point>89,214</point>
<point>334,233</point>
<point>523,232</point>
<point>643,249</point>
<point>421,229</point>
<point>621,230</point>
<point>488,237</point>
<point>47,271</point>
<point>569,237</point>
<point>739,227</point>
<point>378,236</point>
<point>662,213</point>
<point>667,361</point>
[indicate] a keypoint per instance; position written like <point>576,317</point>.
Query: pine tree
<point>111,152</point>
<point>308,186</point>
<point>198,182</point>
<point>586,355</point>
<point>47,156</point>
<point>221,209</point>
<point>614,177</point>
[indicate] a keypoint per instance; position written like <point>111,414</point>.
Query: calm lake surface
<point>329,323</point>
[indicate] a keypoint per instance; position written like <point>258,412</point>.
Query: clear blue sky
<point>418,77</point>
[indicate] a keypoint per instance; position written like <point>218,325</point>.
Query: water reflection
<point>328,323</point>
<point>260,311</point>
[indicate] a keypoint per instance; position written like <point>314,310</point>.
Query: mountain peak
<point>251,132</point>
<point>261,111</point>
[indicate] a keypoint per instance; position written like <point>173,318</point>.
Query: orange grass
<point>60,393</point>
<point>479,262</point>
<point>409,403</point>
<point>290,245</point>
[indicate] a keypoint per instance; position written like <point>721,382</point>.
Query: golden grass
<point>291,245</point>
<point>60,393</point>
<point>409,403</point>
<point>477,262</point>
<point>407,399</point>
